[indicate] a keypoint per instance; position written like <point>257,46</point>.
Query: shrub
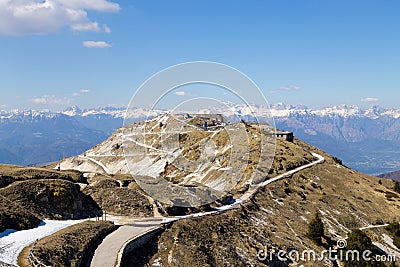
<point>394,228</point>
<point>316,229</point>
<point>396,187</point>
<point>359,241</point>
<point>337,160</point>
<point>396,241</point>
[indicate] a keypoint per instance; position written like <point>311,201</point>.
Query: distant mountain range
<point>391,175</point>
<point>367,140</point>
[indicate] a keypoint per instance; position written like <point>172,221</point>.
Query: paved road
<point>373,226</point>
<point>107,253</point>
<point>249,193</point>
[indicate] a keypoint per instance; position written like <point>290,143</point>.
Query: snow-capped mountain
<point>346,111</point>
<point>366,139</point>
<point>108,111</point>
<point>278,110</point>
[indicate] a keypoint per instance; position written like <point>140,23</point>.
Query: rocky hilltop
<point>189,150</point>
<point>29,195</point>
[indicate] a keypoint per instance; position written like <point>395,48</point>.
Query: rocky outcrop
<point>16,217</point>
<point>51,198</point>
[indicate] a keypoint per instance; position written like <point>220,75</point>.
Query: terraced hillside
<point>203,152</point>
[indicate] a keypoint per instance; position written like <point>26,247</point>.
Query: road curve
<point>106,254</point>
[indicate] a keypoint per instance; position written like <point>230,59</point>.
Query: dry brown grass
<point>116,200</point>
<point>66,247</point>
<point>23,257</point>
<point>15,216</point>
<point>58,199</point>
<point>11,173</point>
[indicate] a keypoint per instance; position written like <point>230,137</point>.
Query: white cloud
<point>83,91</point>
<point>369,99</point>
<point>90,27</point>
<point>180,93</point>
<point>96,44</point>
<point>3,105</point>
<point>27,17</point>
<point>50,100</point>
<point>289,88</point>
<point>99,5</point>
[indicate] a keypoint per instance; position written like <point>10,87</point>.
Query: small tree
<point>396,187</point>
<point>359,241</point>
<point>316,229</point>
<point>394,228</point>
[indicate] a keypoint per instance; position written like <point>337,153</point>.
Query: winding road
<point>109,252</point>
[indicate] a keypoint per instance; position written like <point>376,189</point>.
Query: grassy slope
<point>277,216</point>
<point>11,173</point>
<point>117,200</point>
<point>66,247</point>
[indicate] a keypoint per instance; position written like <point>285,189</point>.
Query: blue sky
<point>92,53</point>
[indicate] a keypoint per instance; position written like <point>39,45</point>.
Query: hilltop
<point>189,150</point>
<point>29,195</point>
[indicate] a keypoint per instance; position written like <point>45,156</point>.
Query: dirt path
<point>153,203</point>
<point>106,170</point>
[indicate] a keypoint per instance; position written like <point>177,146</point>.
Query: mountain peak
<point>72,111</point>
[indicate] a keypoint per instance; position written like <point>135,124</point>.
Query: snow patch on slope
<point>12,242</point>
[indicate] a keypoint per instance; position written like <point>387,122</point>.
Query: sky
<point>93,53</point>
